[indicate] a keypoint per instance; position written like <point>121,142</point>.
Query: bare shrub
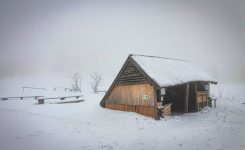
<point>96,81</point>
<point>75,81</point>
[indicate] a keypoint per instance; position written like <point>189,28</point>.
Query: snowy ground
<point>86,126</point>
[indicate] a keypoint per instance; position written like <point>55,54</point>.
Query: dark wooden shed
<point>145,84</point>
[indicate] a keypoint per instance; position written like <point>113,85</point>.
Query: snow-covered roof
<point>168,71</point>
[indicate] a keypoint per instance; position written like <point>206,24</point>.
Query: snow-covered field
<point>26,125</point>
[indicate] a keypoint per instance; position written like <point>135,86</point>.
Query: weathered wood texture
<point>134,94</point>
<point>202,99</point>
<point>144,110</point>
<point>167,110</point>
<point>186,97</point>
<point>131,75</point>
<point>134,98</point>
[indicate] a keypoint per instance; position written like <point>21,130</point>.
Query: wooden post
<point>203,96</point>
<point>40,100</point>
<point>186,97</point>
<point>155,104</point>
<point>215,103</point>
<point>197,104</point>
<point>208,92</point>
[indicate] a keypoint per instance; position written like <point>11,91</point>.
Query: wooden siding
<point>167,110</point>
<point>131,75</point>
<point>202,99</point>
<point>144,110</point>
<point>132,95</point>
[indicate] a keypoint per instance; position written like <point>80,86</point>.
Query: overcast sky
<point>39,37</point>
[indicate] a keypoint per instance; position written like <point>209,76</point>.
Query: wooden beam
<point>208,89</point>
<point>186,97</point>
<point>155,104</point>
<point>208,94</point>
<point>197,104</point>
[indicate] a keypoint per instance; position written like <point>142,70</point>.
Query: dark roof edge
<point>212,82</point>
<point>159,57</point>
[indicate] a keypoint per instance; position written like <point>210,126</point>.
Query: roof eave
<point>169,85</point>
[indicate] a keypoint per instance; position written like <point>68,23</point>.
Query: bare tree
<point>97,78</point>
<point>75,81</point>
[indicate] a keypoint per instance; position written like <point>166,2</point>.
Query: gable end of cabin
<point>132,91</point>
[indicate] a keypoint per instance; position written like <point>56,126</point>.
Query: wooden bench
<point>73,101</point>
<point>64,97</point>
<point>41,99</point>
<point>20,97</point>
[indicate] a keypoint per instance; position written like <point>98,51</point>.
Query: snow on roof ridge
<point>159,57</point>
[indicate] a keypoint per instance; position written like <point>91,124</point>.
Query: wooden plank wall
<point>144,110</point>
<point>131,75</point>
<point>132,94</point>
<point>167,110</point>
<point>202,99</point>
<point>130,98</point>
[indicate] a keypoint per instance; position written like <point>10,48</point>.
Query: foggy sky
<point>93,36</point>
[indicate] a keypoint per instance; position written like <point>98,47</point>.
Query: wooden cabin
<point>154,86</point>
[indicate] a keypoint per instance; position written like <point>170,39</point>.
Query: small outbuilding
<point>154,86</point>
